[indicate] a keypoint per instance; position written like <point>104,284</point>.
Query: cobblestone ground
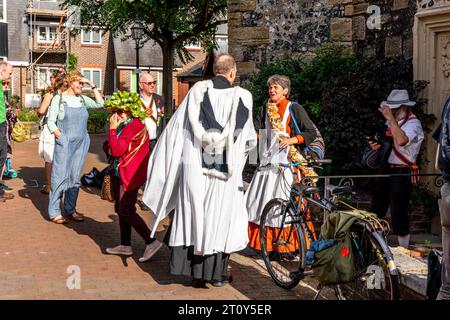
<point>37,256</point>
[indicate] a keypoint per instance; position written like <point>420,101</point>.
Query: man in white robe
<point>196,170</point>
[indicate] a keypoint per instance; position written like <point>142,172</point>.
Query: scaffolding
<point>59,44</point>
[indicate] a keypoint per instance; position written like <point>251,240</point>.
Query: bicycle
<point>286,230</point>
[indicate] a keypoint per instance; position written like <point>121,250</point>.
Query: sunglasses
<point>149,83</point>
<point>119,112</point>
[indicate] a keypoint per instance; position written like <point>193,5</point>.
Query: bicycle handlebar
<point>309,162</point>
<point>323,161</point>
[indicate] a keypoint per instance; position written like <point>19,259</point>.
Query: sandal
<point>59,220</point>
<point>76,217</point>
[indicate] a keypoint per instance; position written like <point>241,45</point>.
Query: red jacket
<point>133,162</point>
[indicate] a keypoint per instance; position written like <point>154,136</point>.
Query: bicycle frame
<point>296,208</point>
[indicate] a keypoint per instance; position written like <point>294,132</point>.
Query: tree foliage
<point>172,24</point>
<point>73,61</point>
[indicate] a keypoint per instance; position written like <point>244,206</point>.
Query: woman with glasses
<point>67,120</point>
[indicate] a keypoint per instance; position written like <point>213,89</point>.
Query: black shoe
<point>218,283</point>
<point>221,283</point>
<point>199,283</point>
<point>144,207</point>
<point>5,188</point>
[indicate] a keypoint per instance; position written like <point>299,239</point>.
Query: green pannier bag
<point>335,264</point>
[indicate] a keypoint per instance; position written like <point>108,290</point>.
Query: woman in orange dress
<point>288,128</point>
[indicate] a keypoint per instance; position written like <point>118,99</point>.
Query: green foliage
<point>97,121</point>
<point>73,60</point>
<point>171,24</point>
<point>126,101</point>
<point>341,93</point>
<point>28,115</point>
<point>421,196</point>
<point>15,103</point>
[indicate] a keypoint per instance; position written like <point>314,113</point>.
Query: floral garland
<point>293,154</point>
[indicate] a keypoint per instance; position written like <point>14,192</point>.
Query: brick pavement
<point>35,254</point>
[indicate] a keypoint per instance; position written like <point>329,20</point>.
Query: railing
<point>348,180</point>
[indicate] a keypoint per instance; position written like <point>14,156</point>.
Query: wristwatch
<point>94,87</point>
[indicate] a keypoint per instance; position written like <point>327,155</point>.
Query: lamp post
<point>137,33</point>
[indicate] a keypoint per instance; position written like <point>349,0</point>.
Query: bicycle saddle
<point>341,190</point>
<point>305,189</point>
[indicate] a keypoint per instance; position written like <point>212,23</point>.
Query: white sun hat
<point>398,98</point>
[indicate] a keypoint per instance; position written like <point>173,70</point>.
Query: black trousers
<point>125,207</point>
<point>152,144</point>
<point>393,192</point>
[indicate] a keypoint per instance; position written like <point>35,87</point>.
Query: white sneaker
<point>150,250</point>
<point>121,250</point>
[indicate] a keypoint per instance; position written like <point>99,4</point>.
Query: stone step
<point>413,272</point>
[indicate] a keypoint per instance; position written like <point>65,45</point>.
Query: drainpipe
<point>20,83</point>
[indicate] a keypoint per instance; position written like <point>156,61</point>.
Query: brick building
<point>109,62</point>
<point>94,51</point>
<point>201,66</point>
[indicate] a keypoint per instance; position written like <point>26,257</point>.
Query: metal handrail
<point>348,179</point>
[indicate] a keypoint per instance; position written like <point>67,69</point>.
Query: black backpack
<point>93,178</point>
<point>376,159</point>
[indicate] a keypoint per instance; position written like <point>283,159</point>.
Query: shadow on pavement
<point>107,234</point>
<point>96,146</point>
<point>33,178</point>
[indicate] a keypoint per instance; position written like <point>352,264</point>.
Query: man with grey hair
<point>6,71</point>
<point>153,105</point>
<point>196,170</point>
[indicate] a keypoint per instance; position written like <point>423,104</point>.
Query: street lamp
<point>137,33</point>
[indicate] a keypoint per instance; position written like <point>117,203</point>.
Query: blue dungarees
<point>70,153</point>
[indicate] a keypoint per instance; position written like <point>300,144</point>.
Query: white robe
<point>210,212</point>
<point>269,182</point>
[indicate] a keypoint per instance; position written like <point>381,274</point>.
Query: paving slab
<point>42,260</point>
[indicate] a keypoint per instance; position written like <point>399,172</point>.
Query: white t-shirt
<point>413,129</point>
<point>149,122</point>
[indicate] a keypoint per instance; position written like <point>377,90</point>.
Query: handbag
<point>108,192</point>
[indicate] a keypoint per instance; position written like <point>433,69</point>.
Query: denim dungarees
<point>70,153</point>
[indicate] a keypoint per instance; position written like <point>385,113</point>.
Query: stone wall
<point>261,30</point>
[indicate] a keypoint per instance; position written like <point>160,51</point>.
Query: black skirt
<point>212,267</point>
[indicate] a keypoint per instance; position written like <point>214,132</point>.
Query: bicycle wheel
<point>283,245</point>
<point>376,277</point>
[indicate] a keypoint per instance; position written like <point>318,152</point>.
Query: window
<point>94,75</point>
<point>91,36</point>
<point>194,45</point>
<point>43,75</point>
<point>47,34</point>
<point>159,83</point>
<point>3,10</point>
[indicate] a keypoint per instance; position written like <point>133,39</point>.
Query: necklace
<point>293,154</point>
<point>277,124</point>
